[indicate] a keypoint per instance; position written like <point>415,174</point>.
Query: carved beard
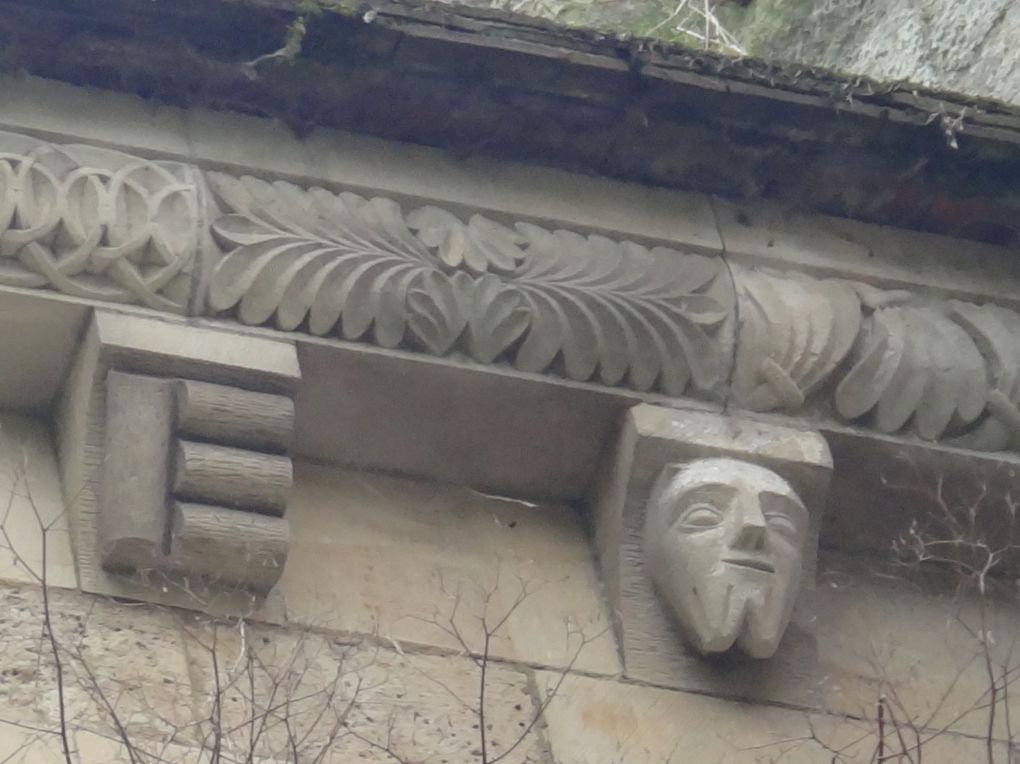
<point>752,612</point>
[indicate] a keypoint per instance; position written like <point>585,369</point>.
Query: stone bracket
<point>204,507</point>
<point>174,443</point>
<point>655,440</point>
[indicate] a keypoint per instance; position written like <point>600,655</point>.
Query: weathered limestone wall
<point>417,618</point>
<point>383,595</point>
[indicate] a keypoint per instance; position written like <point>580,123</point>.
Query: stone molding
<point>102,225</point>
<point>174,447</point>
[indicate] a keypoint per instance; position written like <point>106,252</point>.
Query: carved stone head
<point>723,544</point>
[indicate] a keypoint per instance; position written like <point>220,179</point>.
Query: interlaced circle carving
<point>96,223</point>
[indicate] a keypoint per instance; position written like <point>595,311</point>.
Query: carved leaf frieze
<point>892,360</point>
<point>995,332</point>
<point>587,307</point>
<point>96,223</point>
<point>914,364</point>
<point>794,332</point>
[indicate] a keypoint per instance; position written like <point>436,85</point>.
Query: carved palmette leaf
<point>479,246</point>
<point>339,261</point>
<point>438,317</point>
<point>547,301</point>
<point>914,364</point>
<point>622,310</point>
<point>498,317</point>
<point>794,332</point>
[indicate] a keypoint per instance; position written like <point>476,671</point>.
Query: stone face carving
<point>723,544</point>
<point>892,360</point>
<point>96,223</point>
<point>587,307</point>
<point>706,529</point>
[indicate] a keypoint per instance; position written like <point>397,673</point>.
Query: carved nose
<point>751,533</point>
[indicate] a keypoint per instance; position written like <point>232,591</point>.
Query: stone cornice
<point>937,359</point>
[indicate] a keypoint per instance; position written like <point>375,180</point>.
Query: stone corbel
<point>707,528</point>
<point>174,444</point>
<point>195,480</point>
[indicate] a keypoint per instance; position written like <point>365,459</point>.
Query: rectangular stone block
<point>497,430</point>
<point>163,347</point>
<point>405,560</point>
<point>345,700</point>
<point>765,234</point>
<point>913,638</point>
<point>39,337</point>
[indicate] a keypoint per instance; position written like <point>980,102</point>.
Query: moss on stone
<point>759,25</point>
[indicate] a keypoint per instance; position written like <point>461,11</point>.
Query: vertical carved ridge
<point>134,524</point>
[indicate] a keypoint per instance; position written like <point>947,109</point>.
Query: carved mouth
<point>755,563</point>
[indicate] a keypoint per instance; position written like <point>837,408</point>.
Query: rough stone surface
<point>591,720</point>
<point>963,47</point>
<point>883,631</point>
<point>172,679</point>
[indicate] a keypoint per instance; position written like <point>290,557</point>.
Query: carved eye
<point>699,517</point>
<point>782,524</point>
